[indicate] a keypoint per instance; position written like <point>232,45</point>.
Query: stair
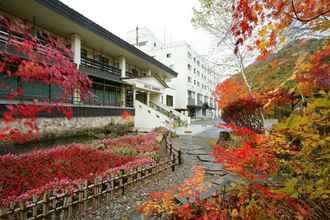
<point>148,118</point>
<point>180,119</point>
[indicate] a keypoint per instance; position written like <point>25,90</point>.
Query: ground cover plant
<point>141,144</point>
<point>63,168</point>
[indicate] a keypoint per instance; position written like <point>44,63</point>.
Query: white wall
<point>147,118</point>
<point>207,77</point>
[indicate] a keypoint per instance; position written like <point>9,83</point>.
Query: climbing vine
<point>32,55</point>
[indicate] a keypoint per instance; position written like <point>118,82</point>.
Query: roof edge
<point>66,11</point>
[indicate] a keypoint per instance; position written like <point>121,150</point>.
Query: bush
<point>245,112</point>
<point>32,171</point>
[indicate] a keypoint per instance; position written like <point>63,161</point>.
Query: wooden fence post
<point>85,189</point>
<point>70,208</point>
<point>179,157</point>
<point>35,206</point>
<point>108,188</point>
<point>173,162</point>
<point>54,205</point>
<point>95,189</point>
<point>121,182</point>
<point>45,205</point>
<point>80,197</point>
<point>23,214</point>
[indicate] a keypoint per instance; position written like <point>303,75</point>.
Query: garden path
<point>196,151</point>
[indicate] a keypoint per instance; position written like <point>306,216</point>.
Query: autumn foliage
<point>284,173</point>
<point>64,168</point>
<point>33,55</point>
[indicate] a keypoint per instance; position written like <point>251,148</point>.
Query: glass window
<point>169,100</point>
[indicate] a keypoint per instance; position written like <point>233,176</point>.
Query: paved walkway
<point>196,151</point>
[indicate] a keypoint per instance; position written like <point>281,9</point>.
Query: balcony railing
<point>97,65</point>
<point>161,109</point>
<point>131,75</point>
<point>10,40</point>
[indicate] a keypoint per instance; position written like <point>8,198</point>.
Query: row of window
<point>198,84</point>
<point>200,97</point>
<point>195,71</point>
<point>195,60</point>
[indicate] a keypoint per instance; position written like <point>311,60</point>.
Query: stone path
<point>196,151</point>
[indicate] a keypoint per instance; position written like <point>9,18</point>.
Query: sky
<point>170,20</point>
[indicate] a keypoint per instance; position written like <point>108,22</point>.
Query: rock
<point>197,152</point>
<point>205,158</point>
<point>99,136</point>
<point>212,166</point>
<point>216,173</point>
<point>101,146</point>
<point>192,148</point>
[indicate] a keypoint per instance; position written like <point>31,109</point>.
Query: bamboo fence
<point>64,206</point>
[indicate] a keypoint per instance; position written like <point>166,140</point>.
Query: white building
<point>192,89</point>
<point>124,78</point>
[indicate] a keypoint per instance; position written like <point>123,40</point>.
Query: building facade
<point>192,90</point>
<point>122,75</point>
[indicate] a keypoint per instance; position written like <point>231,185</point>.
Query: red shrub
<point>36,170</point>
<point>141,143</point>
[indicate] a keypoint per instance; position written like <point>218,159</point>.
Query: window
<point>169,100</point>
<point>198,84</point>
<point>155,45</point>
<point>189,67</point>
<point>168,55</point>
<point>190,94</point>
<point>194,82</point>
<point>189,79</point>
<point>143,43</point>
<point>83,53</point>
<point>194,59</point>
<point>189,55</point>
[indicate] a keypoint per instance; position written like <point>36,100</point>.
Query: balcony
<point>131,75</point>
<point>98,69</point>
<point>199,102</point>
<point>9,41</point>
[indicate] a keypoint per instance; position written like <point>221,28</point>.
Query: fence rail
<point>63,206</point>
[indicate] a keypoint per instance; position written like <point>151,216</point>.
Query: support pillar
<point>76,55</point>
<point>122,64</point>
<point>134,96</point>
<point>76,49</point>
<point>123,96</point>
<point>149,73</point>
<point>148,98</point>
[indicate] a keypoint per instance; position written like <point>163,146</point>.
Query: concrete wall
<point>60,127</point>
<point>50,128</point>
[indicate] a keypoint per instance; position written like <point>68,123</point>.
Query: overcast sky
<point>169,19</point>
